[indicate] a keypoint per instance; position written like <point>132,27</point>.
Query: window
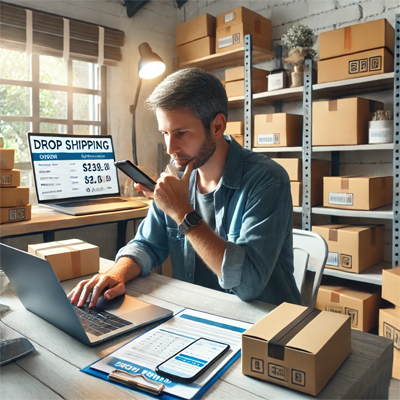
<point>45,94</point>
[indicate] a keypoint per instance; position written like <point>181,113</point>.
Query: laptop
<point>75,174</point>
<point>40,292</point>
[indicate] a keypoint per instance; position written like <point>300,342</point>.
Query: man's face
<point>185,137</point>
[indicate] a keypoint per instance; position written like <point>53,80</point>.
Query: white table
<point>52,371</point>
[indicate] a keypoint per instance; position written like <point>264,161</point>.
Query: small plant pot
<point>380,131</point>
<point>297,76</point>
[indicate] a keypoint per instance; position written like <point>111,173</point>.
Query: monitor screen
<point>72,166</point>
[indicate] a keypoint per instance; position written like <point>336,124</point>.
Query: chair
<point>310,252</point>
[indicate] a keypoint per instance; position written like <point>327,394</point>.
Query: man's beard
<point>206,150</point>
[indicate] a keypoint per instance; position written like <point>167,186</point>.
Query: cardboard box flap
<point>274,322</point>
<point>350,292</point>
<point>313,337</point>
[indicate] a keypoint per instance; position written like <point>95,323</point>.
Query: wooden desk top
<point>46,219</point>
<point>52,371</point>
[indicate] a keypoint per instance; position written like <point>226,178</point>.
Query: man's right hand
<point>95,286</point>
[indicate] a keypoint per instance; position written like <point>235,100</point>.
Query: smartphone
<point>190,362</point>
<point>135,174</point>
<point>12,349</point>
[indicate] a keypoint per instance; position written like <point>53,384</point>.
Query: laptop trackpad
<point>122,306</point>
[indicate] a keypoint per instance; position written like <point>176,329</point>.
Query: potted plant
<point>380,129</point>
<point>299,40</point>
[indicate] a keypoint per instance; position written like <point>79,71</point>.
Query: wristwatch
<point>191,219</point>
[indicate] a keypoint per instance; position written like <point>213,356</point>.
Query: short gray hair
<point>191,89</point>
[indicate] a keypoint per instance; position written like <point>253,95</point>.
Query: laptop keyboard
<point>97,321</point>
<point>77,203</point>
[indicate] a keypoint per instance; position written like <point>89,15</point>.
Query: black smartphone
<point>12,349</point>
<point>137,175</point>
<point>190,362</point>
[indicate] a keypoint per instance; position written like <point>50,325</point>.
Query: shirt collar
<point>233,171</point>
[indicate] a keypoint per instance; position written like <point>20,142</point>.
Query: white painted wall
<point>155,23</point>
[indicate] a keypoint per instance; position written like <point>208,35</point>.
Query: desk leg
<point>121,234</point>
<point>49,236</point>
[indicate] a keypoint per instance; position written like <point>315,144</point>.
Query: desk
<point>52,371</point>
<point>46,221</point>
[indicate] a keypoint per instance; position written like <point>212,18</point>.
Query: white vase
<point>297,76</point>
<point>380,131</point>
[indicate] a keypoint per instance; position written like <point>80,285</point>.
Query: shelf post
<point>307,146</point>
<point>248,93</point>
<point>396,148</point>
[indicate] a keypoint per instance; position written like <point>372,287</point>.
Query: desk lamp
<point>150,66</point>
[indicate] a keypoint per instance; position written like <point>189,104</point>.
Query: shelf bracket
<point>248,93</point>
<point>307,146</point>
<point>396,148</point>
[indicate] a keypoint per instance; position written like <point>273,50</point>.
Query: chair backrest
<point>310,252</point>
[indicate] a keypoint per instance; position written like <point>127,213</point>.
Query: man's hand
<point>95,286</point>
<point>172,194</point>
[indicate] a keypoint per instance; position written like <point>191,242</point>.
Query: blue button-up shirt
<point>253,213</point>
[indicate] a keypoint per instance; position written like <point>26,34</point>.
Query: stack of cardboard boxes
<point>389,318</point>
<point>356,51</point>
<point>234,81</point>
<point>14,198</point>
<point>235,129</point>
<point>205,35</point>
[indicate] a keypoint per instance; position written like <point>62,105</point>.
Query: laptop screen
<point>69,167</point>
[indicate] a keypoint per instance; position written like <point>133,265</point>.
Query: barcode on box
<point>268,138</point>
<point>225,42</point>
<point>333,259</point>
<point>380,135</point>
<point>230,17</point>
<point>342,199</point>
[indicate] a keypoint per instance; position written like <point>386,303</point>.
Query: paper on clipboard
<point>143,354</point>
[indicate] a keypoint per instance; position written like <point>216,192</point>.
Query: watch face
<point>193,218</point>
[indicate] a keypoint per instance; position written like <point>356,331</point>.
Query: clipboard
<point>163,388</point>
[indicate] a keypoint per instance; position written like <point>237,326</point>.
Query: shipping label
<point>391,332</point>
<point>16,214</point>
<point>345,261</point>
<point>5,179</point>
<point>353,316</point>
<point>340,199</point>
<point>257,365</point>
<point>365,65</point>
<point>230,17</point>
<point>333,259</point>
<point>335,309</point>
<point>298,377</point>
<point>268,138</point>
<point>225,42</point>
<point>277,372</point>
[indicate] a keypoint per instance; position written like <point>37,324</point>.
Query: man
<point>227,223</point>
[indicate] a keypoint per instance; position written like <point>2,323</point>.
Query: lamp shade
<point>150,64</point>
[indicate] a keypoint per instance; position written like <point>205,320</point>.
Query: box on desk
<point>356,38</point>
<point>7,158</point>
<point>277,130</point>
<point>389,327</point>
<point>296,347</point>
<point>360,303</point>
<point>69,258</point>
<point>391,285</point>
<point>366,63</point>
<point>352,248</point>
<point>194,29</point>
<point>358,192</point>
<point>15,214</point>
<point>342,121</point>
<point>14,196</point>
<point>10,177</point>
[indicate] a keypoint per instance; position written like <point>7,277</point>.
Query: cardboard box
<point>306,357</point>
<point>293,166</point>
<point>352,248</point>
<point>342,121</point>
<point>232,37</point>
<point>242,15</point>
<point>234,128</point>
<point>239,139</point>
<point>10,177</point>
<point>277,130</point>
<point>236,88</point>
<point>355,38</point>
<point>69,258</point>
<point>389,327</point>
<point>366,63</point>
<point>195,28</point>
<point>7,157</point>
<point>15,214</point>
<point>237,73</point>
<point>197,49</point>
<point>14,197</point>
<point>296,189</point>
<point>391,285</point>
<point>358,192</point>
<point>361,305</point>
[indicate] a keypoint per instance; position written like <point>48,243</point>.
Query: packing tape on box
<point>269,118</point>
<point>332,105</point>
<point>276,346</point>
<point>335,296</point>
<point>347,38</point>
<point>344,183</point>
<point>333,233</point>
